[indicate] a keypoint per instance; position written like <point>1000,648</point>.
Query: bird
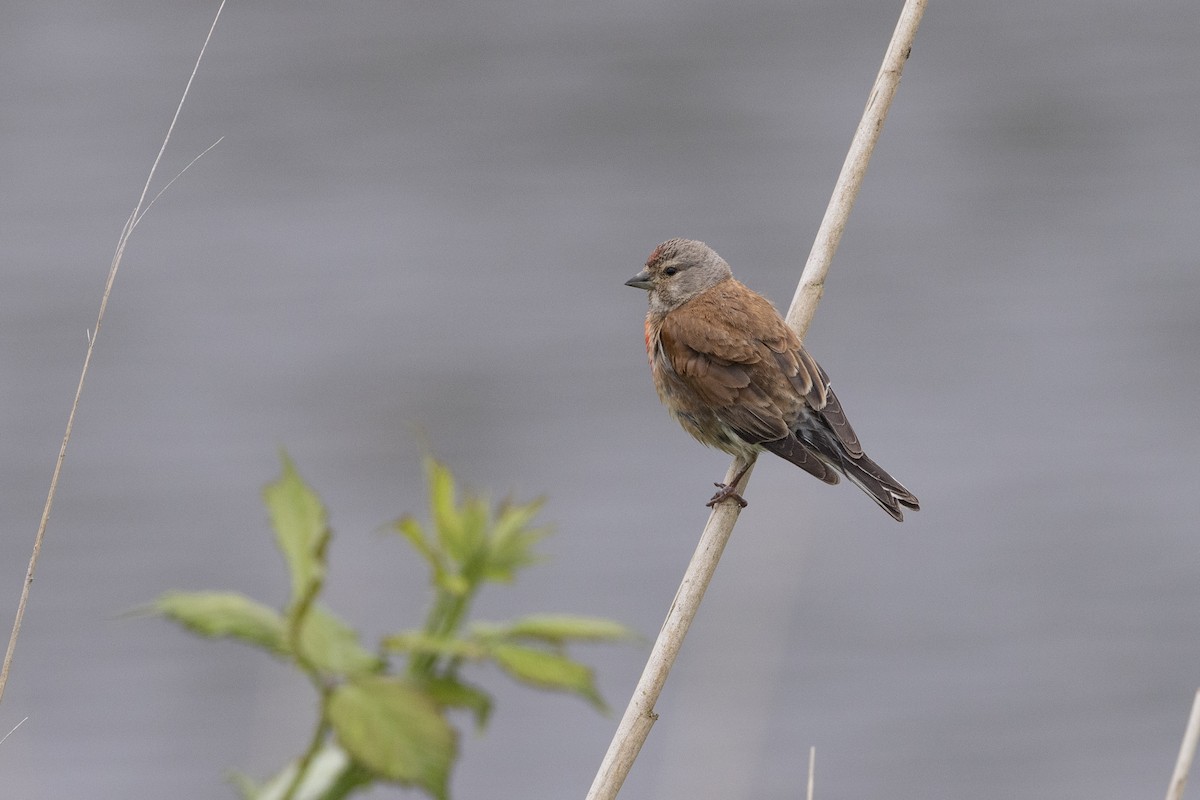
<point>737,378</point>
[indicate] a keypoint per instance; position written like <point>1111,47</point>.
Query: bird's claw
<point>727,492</point>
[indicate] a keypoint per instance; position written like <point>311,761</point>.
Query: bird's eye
<point>669,271</point>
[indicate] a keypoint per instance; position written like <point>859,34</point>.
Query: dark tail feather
<point>885,490</point>
<point>825,458</point>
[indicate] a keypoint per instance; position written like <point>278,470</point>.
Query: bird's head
<point>677,271</point>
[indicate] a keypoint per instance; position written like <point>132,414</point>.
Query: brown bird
<point>737,378</point>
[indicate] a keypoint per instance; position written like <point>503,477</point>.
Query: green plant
<point>376,720</point>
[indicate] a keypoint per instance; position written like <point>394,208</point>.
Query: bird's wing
<point>833,415</point>
<point>811,381</point>
<point>732,349</point>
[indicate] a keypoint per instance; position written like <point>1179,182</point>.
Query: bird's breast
<point>653,326</point>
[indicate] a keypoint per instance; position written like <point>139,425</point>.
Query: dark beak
<point>640,281</point>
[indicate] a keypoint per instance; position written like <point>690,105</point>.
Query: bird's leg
<point>728,491</point>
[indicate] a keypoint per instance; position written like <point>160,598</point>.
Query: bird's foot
<point>727,492</point>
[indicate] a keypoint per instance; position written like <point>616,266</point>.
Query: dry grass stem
<point>1187,752</point>
<point>134,218</point>
<point>14,730</point>
<point>639,716</point>
<point>854,169</point>
<point>812,772</point>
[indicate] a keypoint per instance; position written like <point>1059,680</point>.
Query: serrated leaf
<point>558,629</point>
<point>411,530</point>
<point>333,646</point>
<point>396,730</point>
<point>447,520</point>
<point>453,693</point>
<point>504,563</point>
<point>331,775</point>
<point>512,518</point>
<point>512,540</point>
<point>546,670</point>
<point>216,614</point>
<point>475,516</point>
<point>301,529</point>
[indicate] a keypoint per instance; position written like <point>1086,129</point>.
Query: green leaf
<point>216,614</point>
<point>333,647</point>
<point>246,787</point>
<point>513,518</point>
<point>546,670</point>
<point>558,629</point>
<point>425,644</point>
<point>475,514</point>
<point>396,730</point>
<point>512,541</point>
<point>411,529</point>
<point>331,775</point>
<point>301,529</point>
<point>453,693</point>
<point>447,520</point>
<point>453,583</point>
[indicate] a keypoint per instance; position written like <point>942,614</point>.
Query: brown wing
<point>735,352</point>
<point>833,415</point>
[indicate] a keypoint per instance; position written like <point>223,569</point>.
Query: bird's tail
<point>824,457</point>
<point>873,479</point>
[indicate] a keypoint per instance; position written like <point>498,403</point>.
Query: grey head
<point>677,271</point>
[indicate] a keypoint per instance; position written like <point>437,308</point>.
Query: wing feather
<point>733,350</point>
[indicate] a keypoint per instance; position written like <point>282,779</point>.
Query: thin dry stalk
<point>812,772</point>
<point>134,218</point>
<point>14,730</point>
<point>1187,751</point>
<point>639,715</point>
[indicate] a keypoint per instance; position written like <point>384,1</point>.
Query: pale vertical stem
<point>812,772</point>
<point>1187,751</point>
<point>130,224</point>
<point>639,715</point>
<point>854,169</point>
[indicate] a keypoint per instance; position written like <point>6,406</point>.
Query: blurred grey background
<point>416,230</point>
